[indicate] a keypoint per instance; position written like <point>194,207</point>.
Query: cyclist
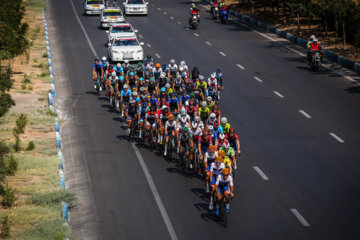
<point>105,64</point>
<point>204,143</point>
<point>126,66</point>
<point>202,85</point>
<point>140,70</point>
<point>170,127</point>
<point>164,115</point>
<point>111,82</point>
<point>185,144</point>
<point>226,160</point>
<point>224,188</point>
<point>174,104</point>
<point>124,98</point>
<point>221,141</point>
<point>148,60</point>
<point>152,88</point>
<point>184,66</point>
<point>172,68</point>
<point>97,72</point>
<point>178,85</point>
<point>144,108</point>
<point>233,139</point>
<point>131,80</point>
<point>216,110</point>
<point>212,134</point>
<point>154,100</point>
<point>230,153</point>
<point>225,125</point>
<point>216,168</point>
<point>183,113</point>
<point>210,103</point>
<point>119,70</point>
<point>212,81</point>
<point>218,74</point>
<point>204,111</point>
<point>131,113</point>
<point>209,158</point>
<point>151,117</point>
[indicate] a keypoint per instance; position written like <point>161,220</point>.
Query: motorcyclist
<point>312,37</point>
<point>194,11</point>
<point>315,47</point>
<point>213,4</point>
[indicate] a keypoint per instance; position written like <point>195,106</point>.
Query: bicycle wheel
<point>223,212</point>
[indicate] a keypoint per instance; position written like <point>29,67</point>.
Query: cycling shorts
<point>223,188</point>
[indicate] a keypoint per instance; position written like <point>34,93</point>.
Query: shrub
<point>45,55</point>
<point>11,165</point>
<point>43,74</point>
<point>8,197</point>
<point>30,87</point>
<point>19,129</point>
<point>53,198</point>
<point>23,86</point>
<point>31,146</point>
<point>26,79</point>
<point>35,60</point>
<point>37,29</point>
<point>48,229</point>
<point>5,227</point>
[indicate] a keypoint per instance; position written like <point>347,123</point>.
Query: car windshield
<point>126,42</point>
<point>111,13</point>
<point>135,2</point>
<point>120,29</point>
<point>94,2</point>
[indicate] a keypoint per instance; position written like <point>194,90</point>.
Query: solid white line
<point>140,36</point>
<point>149,179</point>
<point>222,54</point>
<point>240,66</point>
<point>279,95</point>
<point>179,23</point>
<point>157,55</point>
<point>208,43</point>
<point>258,79</point>
<point>300,217</point>
<point>148,44</point>
<point>197,35</point>
<point>261,173</point>
<point>83,29</point>
<point>151,183</point>
<point>172,18</point>
<point>304,113</point>
<point>337,137</point>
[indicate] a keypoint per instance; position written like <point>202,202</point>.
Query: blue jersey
<point>118,70</point>
<point>173,103</point>
<point>98,67</point>
<point>126,94</point>
<point>136,100</point>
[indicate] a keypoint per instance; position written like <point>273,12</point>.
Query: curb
<point>51,95</point>
<point>341,60</point>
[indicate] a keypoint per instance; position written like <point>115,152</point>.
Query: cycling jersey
<point>173,103</point>
<point>185,116</point>
<point>151,118</point>
<point>132,110</point>
<point>227,162</point>
<point>118,71</point>
<point>224,184</point>
<point>226,127</point>
<point>204,113</point>
<point>202,85</point>
<point>97,67</point>
<point>185,140</point>
<point>173,69</point>
<point>230,153</point>
<point>215,170</point>
<point>232,140</point>
<point>126,95</point>
<point>210,158</point>
<point>105,65</point>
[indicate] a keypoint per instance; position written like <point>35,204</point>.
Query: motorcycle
<point>215,13</point>
<point>224,15</point>
<point>194,23</point>
<point>315,61</point>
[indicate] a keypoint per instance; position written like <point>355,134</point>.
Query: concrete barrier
<point>301,42</point>
<point>357,67</point>
<point>330,55</point>
<point>280,33</point>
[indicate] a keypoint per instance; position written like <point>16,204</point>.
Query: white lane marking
<point>222,54</point>
<point>208,43</point>
<point>149,179</point>
<point>187,28</point>
<point>278,94</point>
<point>261,173</point>
<point>258,79</point>
<point>83,29</point>
<point>159,9</point>
<point>156,195</point>
<point>172,18</point>
<point>240,66</point>
<point>337,137</point>
<point>140,36</point>
<point>157,55</point>
<point>300,217</point>
<point>165,13</point>
<point>179,23</point>
<point>197,35</point>
<point>304,113</point>
<point>148,44</point>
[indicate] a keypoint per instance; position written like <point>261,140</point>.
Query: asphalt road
<point>307,168</point>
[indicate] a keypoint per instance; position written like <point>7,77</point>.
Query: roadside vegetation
<point>30,192</point>
<point>336,23</point>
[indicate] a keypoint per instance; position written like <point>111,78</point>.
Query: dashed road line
<point>238,65</point>
<point>148,44</point>
<point>258,79</point>
<point>301,219</point>
<point>157,55</point>
<point>165,13</point>
<point>141,36</point>
<point>197,35</point>
<point>223,54</point>
<point>208,43</point>
<point>278,94</point>
<point>172,18</point>
<point>337,137</point>
<point>159,9</point>
<point>304,113</point>
<point>179,22</point>
<point>187,28</point>
<point>261,173</point>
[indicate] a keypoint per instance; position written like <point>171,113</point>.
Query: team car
<point>135,7</point>
<point>121,30</point>
<point>110,16</point>
<point>94,7</point>
<point>125,48</point>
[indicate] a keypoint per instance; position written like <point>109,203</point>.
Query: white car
<point>135,7</point>
<point>110,16</point>
<point>94,7</point>
<point>125,48</point>
<point>121,30</point>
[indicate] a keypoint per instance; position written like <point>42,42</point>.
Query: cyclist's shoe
<point>100,88</point>
<point>122,113</point>
<point>94,86</point>
<point>139,134</point>
<point>117,104</point>
<point>191,166</point>
<point>110,101</point>
<point>129,130</point>
<point>165,152</point>
<point>211,206</point>
<point>217,211</point>
<point>228,210</point>
<point>207,188</point>
<point>178,150</point>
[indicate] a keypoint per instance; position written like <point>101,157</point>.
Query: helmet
<point>203,104</point>
<point>157,65</point>
<point>209,98</point>
<point>172,61</point>
<point>221,153</point>
<point>182,63</point>
<point>132,66</point>
<point>151,79</point>
<point>97,60</point>
<point>178,76</point>
<point>197,119</point>
<point>131,73</point>
<point>194,124</point>
<point>183,111</point>
<point>141,79</point>
<point>126,61</point>
<point>142,89</point>
<point>210,127</point>
<point>185,129</point>
<point>201,77</point>
<point>212,75</point>
<point>113,74</point>
<point>212,148</point>
<point>312,37</point>
<point>132,101</point>
<point>223,120</point>
<point>162,75</point>
<point>167,85</point>
<point>222,136</point>
<point>140,63</point>
<point>135,94</point>
<point>215,107</point>
<point>218,159</point>
<point>110,67</point>
<point>226,145</point>
<point>225,171</point>
<point>183,119</point>
<point>125,86</point>
<point>121,78</point>
<point>181,68</point>
<point>103,58</point>
<point>232,130</point>
<point>171,117</point>
<point>164,107</point>
<point>186,103</point>
<point>218,70</point>
<point>118,65</point>
<point>193,5</point>
<point>212,115</point>
<point>162,89</point>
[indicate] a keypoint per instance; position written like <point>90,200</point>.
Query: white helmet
<point>312,37</point>
<point>222,136</point>
<point>162,75</point>
<point>212,115</point>
<point>223,120</point>
<point>197,119</point>
<point>194,124</point>
<point>182,63</point>
<point>212,76</point>
<point>164,107</point>
<point>126,61</point>
<point>210,127</point>
<point>201,77</point>
<point>134,94</point>
<point>186,103</point>
<point>118,65</point>
<point>172,61</point>
<point>125,86</point>
<point>103,58</point>
<point>203,104</point>
<point>315,40</point>
<point>209,98</point>
<point>181,68</point>
<point>167,85</point>
<point>113,74</point>
<point>183,111</point>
